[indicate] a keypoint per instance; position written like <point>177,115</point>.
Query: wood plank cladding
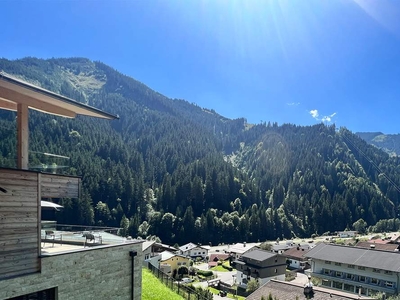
<point>56,186</point>
<point>19,222</point>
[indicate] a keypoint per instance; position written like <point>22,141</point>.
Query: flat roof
<point>73,241</point>
<point>14,91</point>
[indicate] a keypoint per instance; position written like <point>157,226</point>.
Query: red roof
<point>218,256</point>
<point>296,252</point>
<point>379,241</point>
<point>377,246</point>
<point>214,258</point>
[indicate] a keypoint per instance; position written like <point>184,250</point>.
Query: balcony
<point>355,280</point>
<point>57,238</point>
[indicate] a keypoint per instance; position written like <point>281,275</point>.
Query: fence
<point>181,289</point>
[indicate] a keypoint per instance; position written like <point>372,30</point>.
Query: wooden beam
<point>8,105</point>
<point>35,104</point>
<point>39,217</point>
<point>23,136</point>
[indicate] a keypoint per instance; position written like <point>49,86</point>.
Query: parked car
<point>187,280</point>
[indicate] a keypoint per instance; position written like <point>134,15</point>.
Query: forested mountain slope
<point>390,143</point>
<point>174,170</point>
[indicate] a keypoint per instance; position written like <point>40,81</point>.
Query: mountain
<point>171,169</point>
<point>390,143</point>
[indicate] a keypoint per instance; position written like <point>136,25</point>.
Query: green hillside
<point>153,289</point>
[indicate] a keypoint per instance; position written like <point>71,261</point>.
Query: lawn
<point>153,289</point>
<point>220,268</point>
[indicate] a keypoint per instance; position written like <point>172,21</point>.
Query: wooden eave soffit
<point>33,103</point>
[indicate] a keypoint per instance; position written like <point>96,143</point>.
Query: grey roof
<point>277,247</point>
<point>383,260</point>
<point>287,290</point>
<point>239,248</point>
<point>259,255</point>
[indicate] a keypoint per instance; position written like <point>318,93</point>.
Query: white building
<point>193,250</point>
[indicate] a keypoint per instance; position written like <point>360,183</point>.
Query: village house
<point>347,234</point>
<point>192,250</point>
<point>378,246</point>
<point>217,257</point>
<point>355,270</point>
<point>152,248</point>
<point>170,263</point>
<point>260,265</point>
<point>295,257</point>
<point>238,249</point>
<point>54,263</point>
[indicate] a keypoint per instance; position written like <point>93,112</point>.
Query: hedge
<point>205,273</point>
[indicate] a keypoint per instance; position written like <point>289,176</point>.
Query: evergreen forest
<point>172,170</point>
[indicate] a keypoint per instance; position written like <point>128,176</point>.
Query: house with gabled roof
<point>295,257</point>
<point>239,249</point>
<point>170,262</point>
<point>153,248</point>
<point>355,270</point>
<point>192,250</point>
<point>217,257</point>
<point>260,265</point>
<point>377,246</point>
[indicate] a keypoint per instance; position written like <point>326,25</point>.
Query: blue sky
<point>300,62</point>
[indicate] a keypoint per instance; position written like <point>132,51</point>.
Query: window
<point>49,294</point>
<point>389,284</point>
<point>376,270</point>
<point>326,272</point>
<point>361,268</point>
<point>349,276</point>
<point>338,274</point>
<point>337,285</point>
<point>348,287</point>
<point>326,283</point>
<point>351,266</point>
<point>327,262</point>
<point>362,278</point>
<point>389,272</point>
<point>179,263</point>
<point>374,281</point>
<point>276,270</point>
<point>184,263</point>
<point>337,264</point>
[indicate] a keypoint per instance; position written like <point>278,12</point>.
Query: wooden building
<point>24,270</point>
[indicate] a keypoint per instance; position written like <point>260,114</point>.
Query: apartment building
<point>260,265</point>
<point>355,270</point>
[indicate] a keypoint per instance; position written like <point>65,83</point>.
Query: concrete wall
<point>102,272</point>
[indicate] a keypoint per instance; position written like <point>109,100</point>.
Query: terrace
<point>59,238</point>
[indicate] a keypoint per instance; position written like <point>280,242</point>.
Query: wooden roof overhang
<point>18,95</point>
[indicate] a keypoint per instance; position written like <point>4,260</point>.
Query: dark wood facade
<point>269,266</point>
<point>20,229</point>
